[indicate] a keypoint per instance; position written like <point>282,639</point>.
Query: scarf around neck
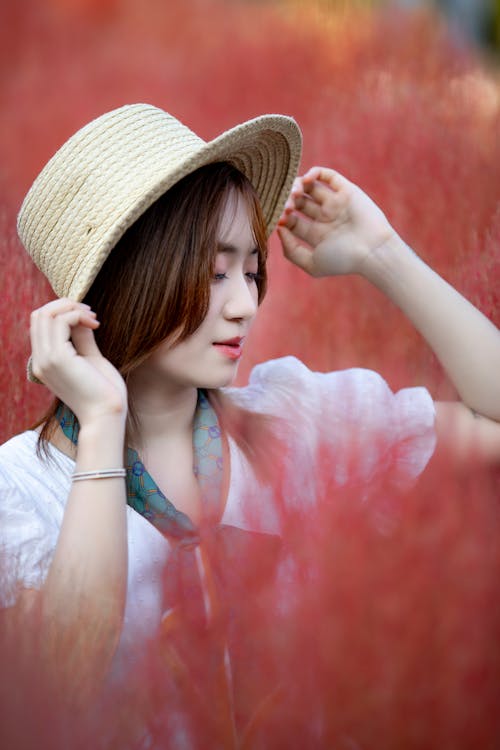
<point>143,493</point>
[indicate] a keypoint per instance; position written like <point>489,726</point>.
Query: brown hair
<point>156,282</point>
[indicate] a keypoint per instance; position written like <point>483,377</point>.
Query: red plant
<point>371,624</point>
<point>387,99</point>
<point>391,633</point>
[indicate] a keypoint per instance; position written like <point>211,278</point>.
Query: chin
<point>220,380</point>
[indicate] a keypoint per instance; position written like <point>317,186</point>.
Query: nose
<point>241,301</point>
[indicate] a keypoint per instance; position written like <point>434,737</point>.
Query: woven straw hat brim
<point>114,168</point>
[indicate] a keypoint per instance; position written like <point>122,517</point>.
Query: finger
<point>50,336</point>
<point>53,309</point>
<point>302,228</point>
<point>314,197</point>
<point>61,305</point>
<point>84,341</point>
<point>64,322</point>
<point>311,208</point>
<point>65,326</point>
<point>322,194</point>
<point>334,180</point>
<point>294,250</point>
<point>297,184</point>
<point>302,205</point>
<point>297,189</point>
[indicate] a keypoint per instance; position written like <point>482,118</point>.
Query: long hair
<point>156,281</point>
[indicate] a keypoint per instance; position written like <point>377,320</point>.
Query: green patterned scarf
<point>144,495</point>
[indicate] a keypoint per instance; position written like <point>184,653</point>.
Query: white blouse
<point>346,413</point>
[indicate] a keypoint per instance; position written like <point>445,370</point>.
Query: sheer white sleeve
<point>348,421</point>
<point>32,497</point>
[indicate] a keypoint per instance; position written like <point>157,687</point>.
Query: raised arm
<point>84,594</point>
<point>331,227</point>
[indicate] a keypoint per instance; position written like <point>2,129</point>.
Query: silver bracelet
<point>80,476</point>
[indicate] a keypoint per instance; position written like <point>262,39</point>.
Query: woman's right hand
<point>85,589</point>
<point>66,358</point>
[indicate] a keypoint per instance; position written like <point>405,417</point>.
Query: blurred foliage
<point>393,635</point>
<point>389,98</point>
<point>477,20</point>
<point>379,630</point>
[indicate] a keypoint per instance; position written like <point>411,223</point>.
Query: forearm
<point>466,343</point>
<point>84,594</point>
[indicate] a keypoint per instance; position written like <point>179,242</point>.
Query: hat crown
<point>92,182</point>
<point>107,174</point>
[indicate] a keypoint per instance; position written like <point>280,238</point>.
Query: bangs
<point>240,185</point>
<point>156,282</point>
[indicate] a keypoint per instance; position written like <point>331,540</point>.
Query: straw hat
<point>107,174</point>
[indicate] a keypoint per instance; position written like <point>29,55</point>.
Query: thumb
<point>294,251</point>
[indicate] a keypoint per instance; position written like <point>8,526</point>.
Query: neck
<point>163,413</point>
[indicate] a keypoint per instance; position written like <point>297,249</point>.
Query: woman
<point>155,244</point>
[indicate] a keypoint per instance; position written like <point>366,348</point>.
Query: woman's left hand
<point>330,226</point>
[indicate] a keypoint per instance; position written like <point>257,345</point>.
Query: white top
<point>341,412</point>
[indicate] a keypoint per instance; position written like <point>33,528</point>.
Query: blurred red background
<point>388,99</point>
<point>399,106</point>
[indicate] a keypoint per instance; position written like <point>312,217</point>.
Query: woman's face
<point>209,357</point>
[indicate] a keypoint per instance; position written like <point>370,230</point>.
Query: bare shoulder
<point>465,435</point>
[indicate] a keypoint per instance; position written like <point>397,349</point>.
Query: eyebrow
<point>224,247</point>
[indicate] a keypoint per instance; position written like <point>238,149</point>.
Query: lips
<point>236,341</point>
<point>230,348</point>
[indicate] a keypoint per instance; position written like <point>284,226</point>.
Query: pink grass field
<point>395,643</point>
<point>388,100</point>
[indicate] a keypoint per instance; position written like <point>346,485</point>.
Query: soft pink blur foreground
<point>392,637</point>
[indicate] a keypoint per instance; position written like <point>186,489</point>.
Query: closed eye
<point>251,276</point>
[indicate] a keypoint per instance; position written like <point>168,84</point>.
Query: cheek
<point>215,306</point>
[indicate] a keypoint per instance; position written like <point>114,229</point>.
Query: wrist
<point>96,419</point>
<point>383,261</point>
<point>101,444</point>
